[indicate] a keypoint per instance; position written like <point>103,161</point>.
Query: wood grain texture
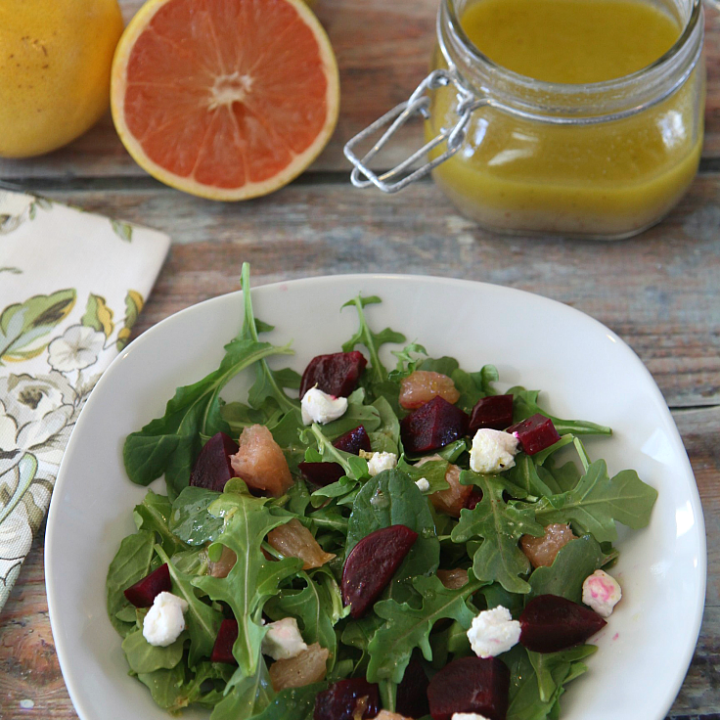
<point>29,671</point>
<point>383,51</point>
<point>659,292</point>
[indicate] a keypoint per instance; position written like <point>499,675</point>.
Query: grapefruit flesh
<point>227,99</point>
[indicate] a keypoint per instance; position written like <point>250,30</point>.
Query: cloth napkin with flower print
<point>71,287</point>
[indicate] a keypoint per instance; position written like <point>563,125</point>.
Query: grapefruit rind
<point>250,189</point>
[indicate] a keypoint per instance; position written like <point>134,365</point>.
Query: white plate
<point>584,370</point>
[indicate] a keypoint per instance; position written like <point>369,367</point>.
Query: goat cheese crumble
<point>423,484</point>
<point>468,716</point>
<point>493,632</point>
<point>283,640</point>
<point>165,620</point>
<point>319,407</point>
<point>493,451</point>
<point>601,593</point>
<point>379,461</point>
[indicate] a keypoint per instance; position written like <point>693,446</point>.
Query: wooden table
<point>659,291</point>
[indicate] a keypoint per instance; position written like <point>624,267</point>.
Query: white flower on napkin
<point>78,348</point>
<point>32,412</point>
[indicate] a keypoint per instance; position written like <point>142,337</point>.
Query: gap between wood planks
<point>708,166</point>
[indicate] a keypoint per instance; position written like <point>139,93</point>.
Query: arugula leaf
<point>358,634</point>
<point>526,476</point>
<point>433,471</point>
<point>318,607</point>
<point>473,386</point>
<point>247,695</point>
<point>143,657</point>
<point>356,414</point>
<point>202,620</point>
<point>407,627</point>
<point>525,405</point>
<point>345,487</point>
<point>392,498</point>
<point>292,703</point>
<point>556,669</point>
<point>408,360</point>
<point>501,525</point>
<point>565,477</point>
<point>253,577</point>
<point>444,365</point>
<point>565,577</point>
<point>598,501</point>
<point>154,514</point>
<point>238,416</point>
<point>132,562</point>
<point>355,467</point>
<point>190,520</point>
<point>167,687</point>
<point>171,443</point>
<point>268,384</point>
<point>372,341</point>
<point>386,437</point>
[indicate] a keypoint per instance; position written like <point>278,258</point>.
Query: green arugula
<point>293,703</point>
<point>598,501</point>
<point>372,341</point>
<point>202,620</point>
<point>171,443</point>
<point>190,520</point>
<point>525,405</point>
<point>145,658</point>
<point>253,577</point>
<point>529,685</point>
<point>132,562</point>
<point>392,498</point>
<point>565,577</point>
<point>501,525</point>
<point>246,695</point>
<point>407,627</point>
<point>154,514</point>
<point>318,607</point>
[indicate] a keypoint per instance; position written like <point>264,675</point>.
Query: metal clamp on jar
<point>602,160</point>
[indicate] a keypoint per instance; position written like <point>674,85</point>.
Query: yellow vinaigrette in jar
<point>608,179</point>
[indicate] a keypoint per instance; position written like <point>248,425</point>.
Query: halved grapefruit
<point>225,99</point>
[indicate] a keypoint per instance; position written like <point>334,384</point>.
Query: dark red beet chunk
<point>212,469</point>
<point>494,411</point>
<point>470,685</point>
<point>340,700</point>
<point>535,434</point>
<point>226,637</point>
<point>353,441</point>
<point>550,623</point>
<point>371,565</point>
<point>411,700</point>
<point>433,426</point>
<point>321,473</point>
<point>475,497</point>
<point>335,374</point>
<point>143,592</point>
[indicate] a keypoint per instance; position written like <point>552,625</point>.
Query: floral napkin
<point>71,286</point>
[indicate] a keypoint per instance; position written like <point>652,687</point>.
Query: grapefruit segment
<point>226,99</point>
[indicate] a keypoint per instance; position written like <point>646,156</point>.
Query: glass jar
<point>603,160</point>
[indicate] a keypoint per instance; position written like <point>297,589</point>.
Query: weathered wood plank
<point>383,51</point>
<point>659,291</point>
<point>31,685</point>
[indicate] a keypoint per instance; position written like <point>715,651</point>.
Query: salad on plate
<point>361,541</point>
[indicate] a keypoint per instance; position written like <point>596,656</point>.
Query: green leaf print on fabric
<point>98,315</point>
<point>133,305</point>
<point>123,230</point>
<point>24,325</point>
